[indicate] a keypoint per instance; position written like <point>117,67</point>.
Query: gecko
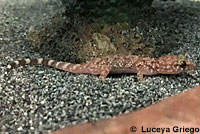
<point>117,64</point>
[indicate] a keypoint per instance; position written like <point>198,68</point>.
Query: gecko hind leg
<point>140,76</point>
<point>102,71</point>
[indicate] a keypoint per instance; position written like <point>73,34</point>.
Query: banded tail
<point>65,66</point>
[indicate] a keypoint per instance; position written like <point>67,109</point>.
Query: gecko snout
<point>190,66</point>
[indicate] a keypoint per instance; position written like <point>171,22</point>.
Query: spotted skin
<point>118,64</point>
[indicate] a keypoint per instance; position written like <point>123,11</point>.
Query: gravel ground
<point>40,99</point>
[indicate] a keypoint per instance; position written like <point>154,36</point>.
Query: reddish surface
<point>182,110</point>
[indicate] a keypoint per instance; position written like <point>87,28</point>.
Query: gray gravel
<point>40,99</point>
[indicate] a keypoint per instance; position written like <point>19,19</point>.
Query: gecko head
<point>175,64</point>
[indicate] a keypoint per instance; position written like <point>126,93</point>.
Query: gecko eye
<point>183,64</point>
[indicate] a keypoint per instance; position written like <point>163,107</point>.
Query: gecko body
<point>118,64</point>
